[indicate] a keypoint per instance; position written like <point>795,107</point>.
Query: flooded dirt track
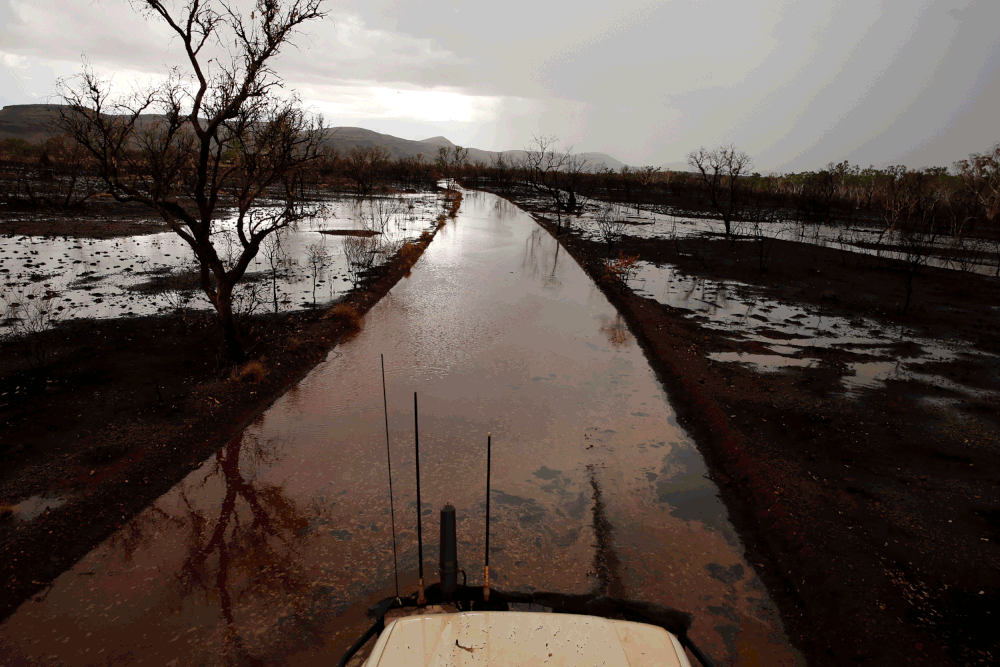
<point>269,552</point>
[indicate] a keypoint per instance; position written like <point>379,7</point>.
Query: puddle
<point>791,331</point>
<point>35,506</point>
<point>767,363</point>
<point>868,375</point>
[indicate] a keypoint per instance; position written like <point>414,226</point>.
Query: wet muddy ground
<point>858,449</point>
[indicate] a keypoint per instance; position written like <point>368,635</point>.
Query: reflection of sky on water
<point>102,277</point>
<point>791,332</point>
<point>272,559</point>
<point>982,256</point>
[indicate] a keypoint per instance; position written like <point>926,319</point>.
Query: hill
<point>346,138</point>
<point>32,122</point>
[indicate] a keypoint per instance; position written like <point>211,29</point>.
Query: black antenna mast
<point>388,458</point>
<point>486,575</point>
<point>421,599</point>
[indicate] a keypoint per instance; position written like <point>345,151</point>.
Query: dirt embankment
<point>873,518</point>
<point>125,408</point>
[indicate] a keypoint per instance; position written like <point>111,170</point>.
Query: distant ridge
<point>438,141</point>
<point>32,122</point>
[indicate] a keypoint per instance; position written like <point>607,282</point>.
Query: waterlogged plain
<point>267,552</point>
<point>148,274</point>
<point>788,333</point>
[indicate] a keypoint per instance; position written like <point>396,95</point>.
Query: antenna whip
<point>421,599</point>
<point>486,575</point>
<point>388,458</point>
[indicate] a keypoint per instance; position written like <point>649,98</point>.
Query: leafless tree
<point>573,172</point>
<point>379,236</point>
<point>221,135</point>
<point>980,176</point>
<point>720,171</point>
<point>277,261</point>
<point>359,252</point>
<point>503,171</point>
<point>611,223</point>
<point>451,162</point>
<point>317,257</point>
<point>365,165</point>
<point>541,166</point>
<point>645,177</point>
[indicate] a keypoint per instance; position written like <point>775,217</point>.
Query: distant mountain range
<point>346,138</point>
<point>33,123</point>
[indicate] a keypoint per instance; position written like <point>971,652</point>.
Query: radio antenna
<point>388,458</point>
<point>421,599</point>
<point>486,575</point>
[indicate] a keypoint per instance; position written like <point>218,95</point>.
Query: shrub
<point>454,202</point>
<point>347,314</point>
<point>410,252</point>
<point>622,270</point>
<point>251,371</point>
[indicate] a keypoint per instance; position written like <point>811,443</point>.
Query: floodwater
<point>269,552</point>
<point>153,273</point>
<point>796,335</point>
<point>862,237</point>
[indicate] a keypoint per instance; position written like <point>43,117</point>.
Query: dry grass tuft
<point>455,201</point>
<point>410,252</point>
<point>347,314</point>
<point>251,371</point>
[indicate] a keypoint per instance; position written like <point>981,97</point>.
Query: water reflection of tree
<point>539,261</point>
<point>503,209</point>
<point>239,558</point>
<point>243,552</point>
<point>615,331</point>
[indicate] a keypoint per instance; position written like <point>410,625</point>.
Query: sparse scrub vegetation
<point>622,270</point>
<point>29,314</point>
<point>252,371</point>
<point>611,223</point>
<point>409,253</point>
<point>347,314</point>
<point>453,200</point>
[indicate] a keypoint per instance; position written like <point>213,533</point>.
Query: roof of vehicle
<point>493,638</point>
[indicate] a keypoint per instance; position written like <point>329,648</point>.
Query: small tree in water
<point>217,136</point>
<point>721,171</point>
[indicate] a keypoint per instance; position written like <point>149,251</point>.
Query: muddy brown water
<point>270,551</point>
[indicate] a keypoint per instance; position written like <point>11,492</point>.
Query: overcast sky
<point>795,83</point>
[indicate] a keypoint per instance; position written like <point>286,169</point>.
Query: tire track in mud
<point>607,566</point>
